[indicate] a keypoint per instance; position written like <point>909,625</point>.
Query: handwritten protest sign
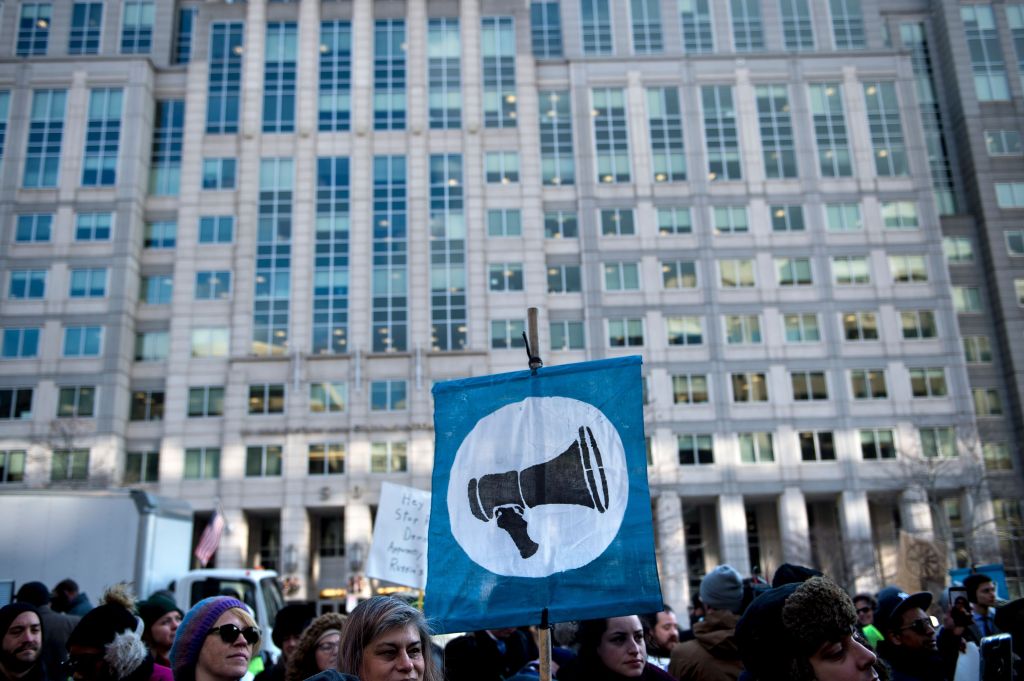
<point>399,550</point>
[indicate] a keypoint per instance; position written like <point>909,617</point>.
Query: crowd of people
<point>802,627</point>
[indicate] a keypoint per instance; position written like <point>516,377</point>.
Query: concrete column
<point>980,526</point>
<point>668,519</point>
<point>361,211</point>
<point>732,533</point>
<point>749,127</point>
<point>916,514</point>
<point>855,524</point>
<point>295,537</point>
<point>358,534</point>
<point>234,540</point>
<point>639,134</point>
<point>793,527</point>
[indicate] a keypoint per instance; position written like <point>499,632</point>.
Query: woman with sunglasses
<point>317,649</point>
<point>215,641</point>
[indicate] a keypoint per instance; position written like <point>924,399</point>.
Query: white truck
<point>99,538</point>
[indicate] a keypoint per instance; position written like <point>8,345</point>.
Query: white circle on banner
<point>497,476</point>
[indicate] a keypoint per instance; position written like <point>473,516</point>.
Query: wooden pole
<point>533,344</point>
<point>544,643</point>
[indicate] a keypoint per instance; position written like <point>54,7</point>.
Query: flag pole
<point>533,357</point>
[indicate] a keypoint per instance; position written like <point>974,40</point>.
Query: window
<point>830,130</point>
<point>596,26</point>
<point>621,276</point>
<point>498,46</point>
<point>695,450</point>
<point>560,225</point>
<point>747,28</point>
<point>1015,242</point>
<point>88,283</point>
<point>684,330</point>
<point>928,382</point>
<point>327,458</point>
<point>161,235</point>
<point>959,250</point>
<point>83,341</point>
<point>137,27</point>
<point>1010,194</point>
<point>801,328</point>
<point>280,68</point>
<point>665,123</point>
<point>625,333</point>
<point>210,342</point>
<point>102,138</point>
<point>334,104</point>
<point>695,21</point>
<point>899,215</point>
<point>777,137</point>
<point>328,398</point>
<point>206,401</point>
<point>982,35</point>
<point>93,226</point>
<point>1003,142</point>
<point>646,24</point>
<point>506,222</point>
<point>721,133</point>
<point>850,270</point>
<point>868,384</point>
<point>908,269</point>
<point>388,396</point>
<point>262,461</point>
<point>997,456</point>
<point>787,218</point>
<point>756,448</point>
<point>76,401</point>
<point>847,24</point>
<point>938,443</point>
<point>157,289</point>
<point>987,402</point>
<point>556,146</point>
<point>12,466</point>
<point>843,217</point>
<point>546,29</point>
<point>390,304</point>
<point>152,346</point>
<point>507,334</point>
<point>967,299</point>
<point>674,221</point>
<point>817,446</point>
<point>270,307</point>
<point>216,229</point>
<point>213,285</point>
<point>448,253</point>
<point>564,279</point>
<point>877,444</point>
<point>611,136</point>
<point>678,274</point>
<point>19,342</point>
<point>690,389</point>
<point>45,137</point>
<point>202,463</point>
<point>168,139</point>
<point>141,467</point>
<point>736,273</point>
<point>27,284</point>
<point>890,151</point>
<point>501,167</point>
<point>266,398</point>
<point>70,465</point>
<point>388,457</point>
<point>224,89</point>
<point>797,25</point>
<point>33,29</point>
<point>567,335</point>
<point>730,219</point>
<point>918,324</point>
<point>794,271</point>
<point>219,173</point>
<point>503,277</point>
<point>749,387</point>
<point>809,386</point>
<point>977,350</point>
<point>1015,19</point>
<point>186,28</point>
<point>743,329</point>
<point>617,222</point>
<point>15,403</point>
<point>147,405</point>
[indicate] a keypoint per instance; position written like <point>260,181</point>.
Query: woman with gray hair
<point>385,639</point>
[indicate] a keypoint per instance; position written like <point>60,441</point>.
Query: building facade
<point>241,241</point>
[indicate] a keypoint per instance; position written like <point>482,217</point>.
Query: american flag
<point>210,539</point>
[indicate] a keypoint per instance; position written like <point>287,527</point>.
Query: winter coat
<point>79,605</point>
<point>476,657</point>
<point>911,665</point>
<point>713,654</point>
<point>580,669</point>
<point>56,628</point>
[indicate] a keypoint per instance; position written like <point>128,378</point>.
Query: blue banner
<point>540,498</point>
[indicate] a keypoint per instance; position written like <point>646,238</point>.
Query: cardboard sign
<point>399,550</point>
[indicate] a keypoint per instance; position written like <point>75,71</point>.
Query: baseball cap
<point>893,602</point>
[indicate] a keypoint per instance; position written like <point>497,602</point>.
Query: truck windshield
<point>244,591</point>
<point>273,599</point>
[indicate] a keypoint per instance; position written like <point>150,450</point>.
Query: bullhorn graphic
<point>576,476</point>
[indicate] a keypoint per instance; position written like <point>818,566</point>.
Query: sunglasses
<point>922,626</point>
<point>861,611</point>
<point>229,633</point>
<point>80,662</point>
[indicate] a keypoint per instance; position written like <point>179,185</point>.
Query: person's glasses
<point>81,663</point>
<point>863,611</point>
<point>229,633</point>
<point>327,647</point>
<point>922,626</point>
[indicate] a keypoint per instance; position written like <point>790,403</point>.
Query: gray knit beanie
<point>722,589</point>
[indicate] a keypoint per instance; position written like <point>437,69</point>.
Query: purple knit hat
<point>192,631</point>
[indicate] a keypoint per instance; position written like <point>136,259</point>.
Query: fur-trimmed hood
<point>302,664</point>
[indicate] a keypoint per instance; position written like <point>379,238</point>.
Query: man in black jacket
<point>488,655</point>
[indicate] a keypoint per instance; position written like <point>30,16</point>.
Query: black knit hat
<point>35,593</point>
<point>10,612</point>
<point>788,573</point>
<point>99,626</point>
<point>291,620</point>
<point>155,607</point>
